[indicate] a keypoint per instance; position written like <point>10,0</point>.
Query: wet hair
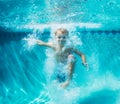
<point>61,31</point>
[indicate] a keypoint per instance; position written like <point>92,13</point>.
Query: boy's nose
<point>61,38</point>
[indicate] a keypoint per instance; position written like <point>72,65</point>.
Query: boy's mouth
<point>61,42</point>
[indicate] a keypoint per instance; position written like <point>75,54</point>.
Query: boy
<point>63,55</point>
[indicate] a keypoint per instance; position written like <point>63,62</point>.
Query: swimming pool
<point>25,68</point>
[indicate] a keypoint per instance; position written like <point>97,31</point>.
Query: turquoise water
<point>26,69</point>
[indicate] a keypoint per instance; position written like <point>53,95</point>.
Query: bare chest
<point>62,55</point>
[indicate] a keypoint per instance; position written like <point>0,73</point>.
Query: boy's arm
<point>82,57</point>
<point>42,43</point>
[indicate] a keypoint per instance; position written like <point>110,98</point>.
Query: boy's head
<point>61,36</point>
<point>61,31</point>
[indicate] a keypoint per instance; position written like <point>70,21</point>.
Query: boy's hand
<point>86,65</point>
<point>28,39</point>
<point>65,84</point>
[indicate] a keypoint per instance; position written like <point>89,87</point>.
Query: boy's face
<point>61,38</point>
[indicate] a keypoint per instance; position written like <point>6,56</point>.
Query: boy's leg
<point>71,63</point>
<point>70,67</point>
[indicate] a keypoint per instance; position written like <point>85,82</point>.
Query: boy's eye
<point>63,37</point>
<point>59,37</point>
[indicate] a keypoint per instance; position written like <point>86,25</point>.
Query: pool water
<point>26,69</point>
